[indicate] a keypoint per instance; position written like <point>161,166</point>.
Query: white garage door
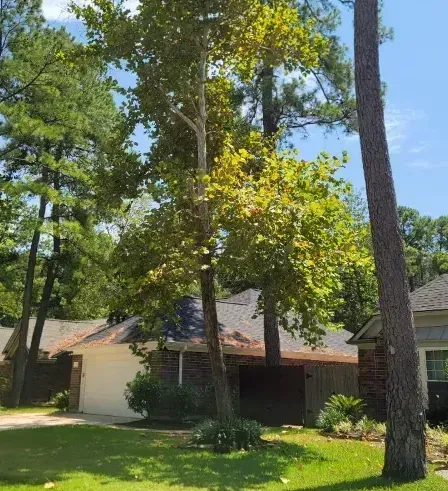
<point>105,380</point>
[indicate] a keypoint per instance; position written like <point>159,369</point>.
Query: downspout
<point>181,363</point>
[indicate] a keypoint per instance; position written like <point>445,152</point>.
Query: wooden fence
<point>293,395</point>
<point>322,381</point>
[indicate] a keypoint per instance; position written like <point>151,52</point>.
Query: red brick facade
<point>50,377</point>
<point>197,367</point>
<point>372,379</point>
<point>75,382</point>
<point>5,380</point>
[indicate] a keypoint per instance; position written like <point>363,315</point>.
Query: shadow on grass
<point>368,483</point>
<point>60,453</point>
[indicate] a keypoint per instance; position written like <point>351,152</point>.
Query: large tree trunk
<point>223,399</point>
<point>270,320</point>
<point>45,301</point>
<point>22,350</point>
<point>405,439</point>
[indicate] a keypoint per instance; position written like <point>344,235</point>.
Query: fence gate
<point>273,395</point>
<point>323,381</point>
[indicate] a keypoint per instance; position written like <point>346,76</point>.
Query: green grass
<point>90,458</point>
<point>6,411</point>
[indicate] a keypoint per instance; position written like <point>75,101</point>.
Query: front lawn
<point>6,411</point>
<point>92,458</point>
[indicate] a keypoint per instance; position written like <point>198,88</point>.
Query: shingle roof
<point>54,332</point>
<point>432,296</point>
<point>5,334</point>
<point>239,328</point>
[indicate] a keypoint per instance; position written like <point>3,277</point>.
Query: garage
<point>104,381</point>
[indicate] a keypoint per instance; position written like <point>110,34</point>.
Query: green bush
<point>330,418</point>
<point>144,394</point>
<point>366,426</point>
<point>236,433</point>
<point>182,400</point>
<point>352,407</point>
<point>344,427</point>
<point>61,400</point>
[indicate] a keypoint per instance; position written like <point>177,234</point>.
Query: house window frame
<point>439,348</point>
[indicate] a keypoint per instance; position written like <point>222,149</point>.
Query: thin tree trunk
<point>22,350</point>
<point>405,440</point>
<point>222,392</point>
<point>273,354</point>
<point>45,300</point>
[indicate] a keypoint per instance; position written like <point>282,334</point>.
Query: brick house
<point>430,307</point>
<point>103,362</point>
<point>52,373</point>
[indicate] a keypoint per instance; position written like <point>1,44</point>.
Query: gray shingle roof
<point>5,334</point>
<point>432,296</point>
<point>55,332</point>
<point>239,328</point>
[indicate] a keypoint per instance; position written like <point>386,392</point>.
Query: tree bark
<point>222,392</point>
<point>22,350</point>
<point>273,354</point>
<point>405,440</point>
<point>45,300</point>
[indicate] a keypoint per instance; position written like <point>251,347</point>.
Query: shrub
<point>344,427</point>
<point>381,429</point>
<point>144,394</point>
<point>183,401</point>
<point>61,400</point>
<point>331,417</point>
<point>236,433</point>
<point>366,426</point>
<point>352,407</point>
<point>207,401</point>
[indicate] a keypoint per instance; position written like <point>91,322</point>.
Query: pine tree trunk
<point>22,350</point>
<point>273,354</point>
<point>405,440</point>
<point>222,392</point>
<point>45,301</point>
<point>271,332</point>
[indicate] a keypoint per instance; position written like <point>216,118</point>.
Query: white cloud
<point>398,123</point>
<point>58,9</point>
<point>419,147</point>
<point>394,148</point>
<point>426,164</point>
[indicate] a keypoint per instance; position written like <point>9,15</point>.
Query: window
<point>435,365</point>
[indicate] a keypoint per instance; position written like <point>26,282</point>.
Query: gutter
<point>181,363</point>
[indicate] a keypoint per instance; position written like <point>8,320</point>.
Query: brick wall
<point>75,382</point>
<point>49,378</point>
<point>372,379</point>
<point>6,368</point>
<point>197,367</point>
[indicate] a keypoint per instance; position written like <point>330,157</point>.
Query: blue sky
<point>412,66</point>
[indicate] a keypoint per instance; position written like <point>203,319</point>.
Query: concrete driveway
<point>17,421</point>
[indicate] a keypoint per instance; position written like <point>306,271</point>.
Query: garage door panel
<point>105,383</point>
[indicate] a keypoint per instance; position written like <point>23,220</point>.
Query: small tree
<point>287,226</point>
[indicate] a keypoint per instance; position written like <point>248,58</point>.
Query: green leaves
<point>288,227</point>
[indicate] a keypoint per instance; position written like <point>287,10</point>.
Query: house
<point>52,374</point>
<point>430,306</point>
<point>103,362</point>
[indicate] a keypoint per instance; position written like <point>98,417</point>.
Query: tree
<point>293,95</point>
<point>59,136</point>
<point>184,65</point>
<point>405,439</point>
<point>286,226</point>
